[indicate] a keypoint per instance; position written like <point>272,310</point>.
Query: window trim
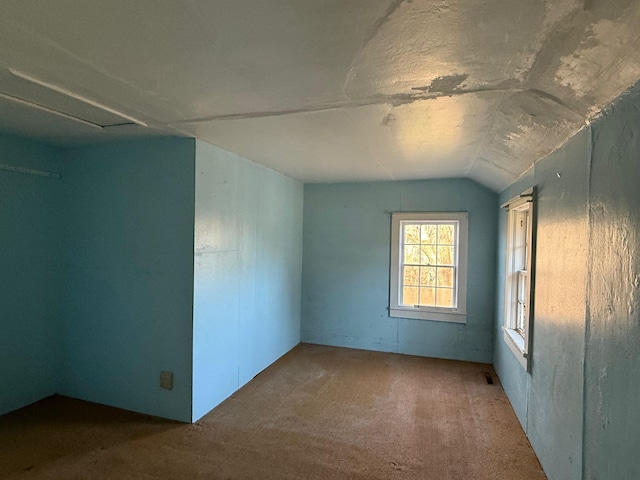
<point>519,344</point>
<point>440,314</point>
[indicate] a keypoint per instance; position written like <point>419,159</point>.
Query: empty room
<point>320,239</point>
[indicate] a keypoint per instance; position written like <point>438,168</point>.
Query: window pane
<point>427,297</point>
<point>427,276</point>
<point>522,286</point>
<point>445,277</point>
<point>521,317</point>
<point>412,254</point>
<point>522,301</point>
<point>445,234</point>
<point>445,255</point>
<point>444,297</point>
<point>412,234</point>
<point>428,255</point>
<point>520,242</point>
<point>428,233</point>
<point>410,276</point>
<point>410,295</point>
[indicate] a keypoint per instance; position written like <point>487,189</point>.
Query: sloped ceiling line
<point>394,100</point>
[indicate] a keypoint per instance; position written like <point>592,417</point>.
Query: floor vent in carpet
<point>488,378</point>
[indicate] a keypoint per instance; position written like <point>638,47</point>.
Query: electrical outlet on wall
<point>166,380</point>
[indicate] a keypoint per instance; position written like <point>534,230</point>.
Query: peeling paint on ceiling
<point>332,90</point>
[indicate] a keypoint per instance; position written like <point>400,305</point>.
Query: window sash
<point>519,278</point>
<point>453,296</point>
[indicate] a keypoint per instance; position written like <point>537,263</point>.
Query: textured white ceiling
<point>331,90</point>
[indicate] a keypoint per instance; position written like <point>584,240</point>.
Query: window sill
<point>437,316</point>
<point>515,342</point>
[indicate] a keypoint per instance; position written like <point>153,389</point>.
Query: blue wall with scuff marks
<point>248,261</point>
<point>128,260</point>
<point>347,233</point>
<point>30,273</point>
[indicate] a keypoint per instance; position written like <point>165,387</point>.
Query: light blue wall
<point>128,259</point>
<point>612,416</point>
<point>30,279</point>
<point>346,267</point>
<point>578,404</point>
<point>248,261</point>
<point>99,270</point>
<point>548,401</point>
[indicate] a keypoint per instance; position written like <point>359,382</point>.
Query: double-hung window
<point>429,266</point>
<point>518,278</point>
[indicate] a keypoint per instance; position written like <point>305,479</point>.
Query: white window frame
<point>457,314</point>
<point>519,342</point>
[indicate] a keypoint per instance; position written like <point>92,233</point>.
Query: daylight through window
<point>428,278</point>
<point>429,263</point>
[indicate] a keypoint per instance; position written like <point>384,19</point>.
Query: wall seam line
<point>587,320</point>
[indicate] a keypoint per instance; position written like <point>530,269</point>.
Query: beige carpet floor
<point>317,413</point>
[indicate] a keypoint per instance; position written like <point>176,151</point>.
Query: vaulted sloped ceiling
<point>323,90</point>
